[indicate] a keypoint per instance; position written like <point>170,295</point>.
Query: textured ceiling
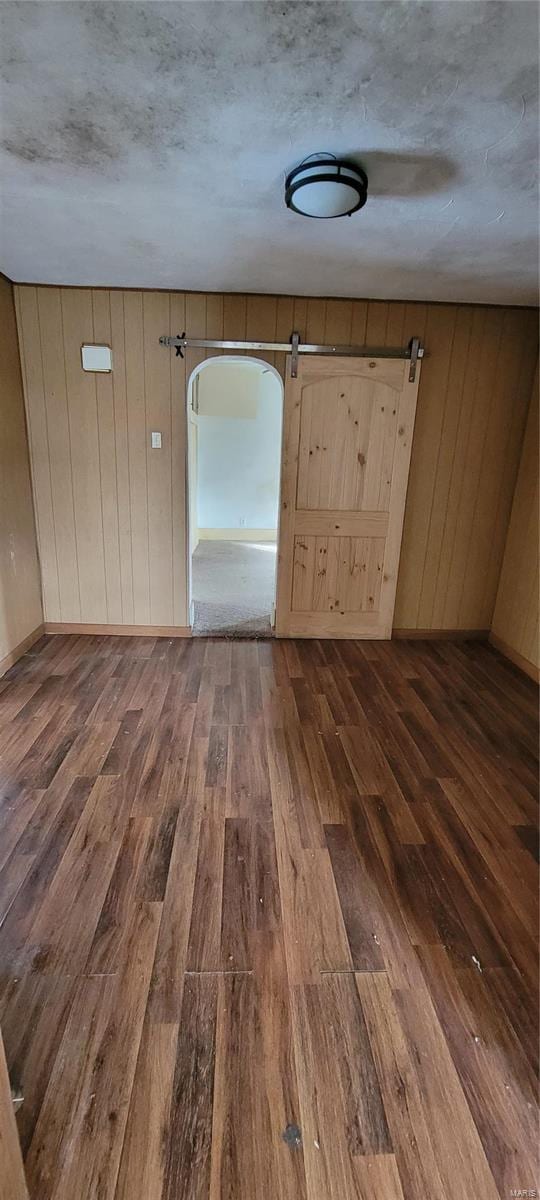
<point>145,144</point>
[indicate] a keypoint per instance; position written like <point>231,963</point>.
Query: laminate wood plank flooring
<point>268,919</point>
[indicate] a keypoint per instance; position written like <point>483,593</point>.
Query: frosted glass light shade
<point>326,187</point>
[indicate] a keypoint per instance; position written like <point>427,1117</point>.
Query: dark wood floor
<point>269,919</point>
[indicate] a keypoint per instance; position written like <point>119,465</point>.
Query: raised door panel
<point>332,574</point>
<point>346,443</point>
<point>347,438</point>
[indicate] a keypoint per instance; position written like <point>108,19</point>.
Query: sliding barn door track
<point>413,351</point>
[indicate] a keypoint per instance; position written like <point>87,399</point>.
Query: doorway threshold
<point>229,621</point>
<point>233,589</point>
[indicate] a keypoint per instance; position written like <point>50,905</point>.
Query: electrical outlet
<point>156,441</point>
<point>242,522</point>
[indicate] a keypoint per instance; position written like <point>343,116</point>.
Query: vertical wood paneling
<point>261,321</point>
<point>505,476</point>
<point>158,462</point>
<point>471,410</point>
<point>38,437</point>
<point>120,406</point>
<point>316,320</point>
<point>457,449</point>
<point>77,319</point>
<point>90,443</point>
<point>234,317</point>
<point>423,471</point>
<point>177,383</point>
<point>377,320</point>
<point>196,321</point>
<point>485,540</point>
<point>515,620</point>
<point>51,352</point>
<point>358,322</point>
<point>214,317</point>
<point>284,328</point>
<point>101,306</point>
<point>137,432</point>
<point>300,311</point>
<point>467,578</point>
<point>21,611</point>
<point>338,322</point>
<point>484,345</point>
<point>395,326</point>
<point>451,396</point>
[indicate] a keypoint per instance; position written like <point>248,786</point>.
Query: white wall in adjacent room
<point>239,451</point>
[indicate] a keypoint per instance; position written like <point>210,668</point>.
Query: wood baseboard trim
<point>237,535</point>
<point>18,651</point>
<point>515,657</point>
<point>442,635</point>
<point>168,631</point>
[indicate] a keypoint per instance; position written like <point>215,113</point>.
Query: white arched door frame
<point>191,420</point>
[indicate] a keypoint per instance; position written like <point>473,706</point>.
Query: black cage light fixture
<point>324,186</point>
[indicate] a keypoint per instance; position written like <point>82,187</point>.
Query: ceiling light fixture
<point>324,186</point>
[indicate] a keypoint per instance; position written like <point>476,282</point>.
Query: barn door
<point>348,426</point>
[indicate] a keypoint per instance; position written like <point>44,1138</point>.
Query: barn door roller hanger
<point>294,347</point>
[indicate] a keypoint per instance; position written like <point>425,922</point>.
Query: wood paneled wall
<point>112,512</point>
<point>20,589</point>
<point>515,621</point>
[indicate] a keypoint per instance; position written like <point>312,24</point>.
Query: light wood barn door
<point>348,427</point>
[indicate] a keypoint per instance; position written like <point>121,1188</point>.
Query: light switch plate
<point>156,441</point>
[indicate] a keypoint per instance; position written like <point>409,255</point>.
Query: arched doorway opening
<point>234,414</point>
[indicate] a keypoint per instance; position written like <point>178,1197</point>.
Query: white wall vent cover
<point>96,358</point>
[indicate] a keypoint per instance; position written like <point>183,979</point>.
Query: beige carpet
<point>233,588</point>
